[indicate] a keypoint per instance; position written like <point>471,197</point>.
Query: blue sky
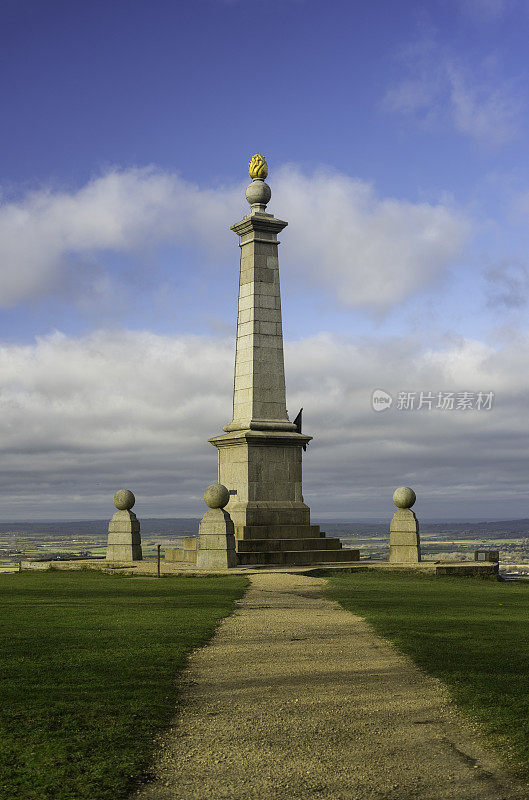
<point>88,85</point>
<point>396,136</point>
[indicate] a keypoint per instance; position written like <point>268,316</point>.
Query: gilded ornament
<point>258,167</point>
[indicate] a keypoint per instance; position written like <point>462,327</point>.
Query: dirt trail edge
<point>296,698</point>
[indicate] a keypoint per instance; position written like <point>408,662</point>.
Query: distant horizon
<point>315,520</point>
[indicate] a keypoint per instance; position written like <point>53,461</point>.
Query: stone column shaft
<point>259,383</point>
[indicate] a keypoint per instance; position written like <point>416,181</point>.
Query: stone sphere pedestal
<point>404,542</point>
<point>124,539</point>
<point>216,535</point>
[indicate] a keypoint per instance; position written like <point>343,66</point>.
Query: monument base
<point>289,545</point>
<point>262,545</point>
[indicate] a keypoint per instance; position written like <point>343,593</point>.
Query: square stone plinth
<point>263,473</point>
<point>124,538</point>
<point>404,542</point>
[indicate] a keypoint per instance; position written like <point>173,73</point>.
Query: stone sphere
<point>124,499</point>
<point>216,496</point>
<point>404,497</point>
<point>258,192</point>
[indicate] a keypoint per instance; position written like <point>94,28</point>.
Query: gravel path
<point>296,698</point>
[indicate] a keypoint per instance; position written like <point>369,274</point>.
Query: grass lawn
<point>471,633</point>
<point>87,675</point>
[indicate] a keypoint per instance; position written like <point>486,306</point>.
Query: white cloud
<point>369,251</point>
<point>107,409</point>
<point>372,252</point>
<point>82,417</point>
<point>120,212</point>
<point>508,285</point>
<point>473,99</point>
<point>413,95</point>
<point>486,112</point>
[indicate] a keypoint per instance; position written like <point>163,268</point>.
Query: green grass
<point>87,675</point>
<point>471,633</point>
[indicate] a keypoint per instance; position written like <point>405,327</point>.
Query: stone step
<point>247,532</point>
<point>292,558</point>
<point>265,545</point>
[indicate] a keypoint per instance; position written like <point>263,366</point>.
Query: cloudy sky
<point>396,136</point>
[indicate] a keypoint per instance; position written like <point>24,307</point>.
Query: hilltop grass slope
<point>472,634</point>
<point>88,672</point>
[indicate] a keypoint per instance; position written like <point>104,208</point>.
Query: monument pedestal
<point>124,538</point>
<point>216,541</point>
<point>263,471</point>
<point>404,542</point>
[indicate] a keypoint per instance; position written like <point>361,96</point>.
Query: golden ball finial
<point>258,167</point>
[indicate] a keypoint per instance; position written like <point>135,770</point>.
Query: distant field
<point>87,538</point>
<point>87,675</point>
<point>473,634</point>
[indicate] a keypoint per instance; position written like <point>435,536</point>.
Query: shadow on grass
<point>88,675</point>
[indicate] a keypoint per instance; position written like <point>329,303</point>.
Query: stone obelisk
<point>260,453</point>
